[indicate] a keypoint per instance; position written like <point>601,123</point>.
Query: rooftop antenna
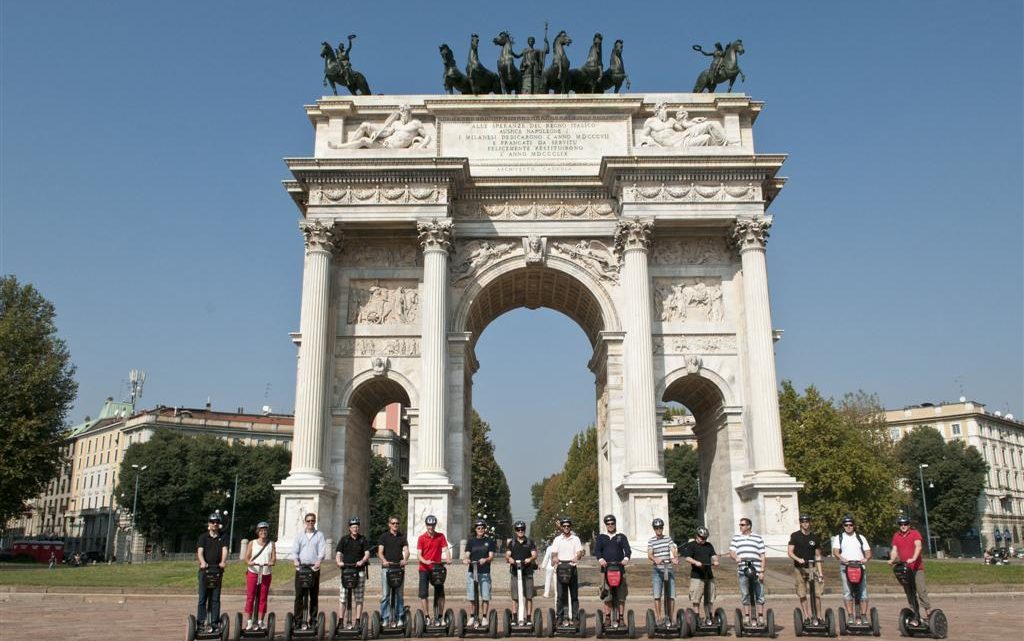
<point>959,380</point>
<point>136,380</point>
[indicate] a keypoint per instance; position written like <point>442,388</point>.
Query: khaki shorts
<point>697,590</point>
<point>608,592</point>
<point>527,586</point>
<point>800,578</point>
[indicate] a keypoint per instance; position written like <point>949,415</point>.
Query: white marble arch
<point>345,398</point>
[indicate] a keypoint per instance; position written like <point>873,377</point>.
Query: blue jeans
<point>385,598</point>
<point>657,581</point>
<point>214,594</point>
<point>847,593</point>
<point>485,586</point>
<point>745,591</point>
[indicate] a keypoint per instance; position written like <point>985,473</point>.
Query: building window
<point>956,429</point>
<point>894,433</point>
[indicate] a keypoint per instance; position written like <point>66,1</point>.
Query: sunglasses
<point>392,522</point>
<point>310,521</point>
<point>520,529</point>
<point>847,524</point>
<point>744,524</point>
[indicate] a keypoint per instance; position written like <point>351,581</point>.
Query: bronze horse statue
<point>453,79</point>
<point>338,70</point>
<point>481,79</point>
<point>587,78</point>
<point>615,74</point>
<point>509,78</point>
<point>556,77</point>
<point>727,69</point>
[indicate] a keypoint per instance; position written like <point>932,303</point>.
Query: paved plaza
<point>117,617</point>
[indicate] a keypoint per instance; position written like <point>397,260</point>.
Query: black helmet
<point>480,523</point>
<point>805,517</point>
<point>519,525</point>
<point>353,520</point>
<point>702,532</point>
<point>903,520</point>
<point>609,518</point>
<point>215,517</point>
<point>565,520</point>
<point>430,520</point>
<point>657,524</point>
<point>848,519</point>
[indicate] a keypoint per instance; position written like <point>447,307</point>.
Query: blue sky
<point>140,168</point>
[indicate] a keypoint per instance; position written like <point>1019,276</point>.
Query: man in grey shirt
<point>308,549</point>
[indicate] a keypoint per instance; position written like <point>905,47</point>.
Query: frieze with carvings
<point>593,255</point>
<point>382,194</point>
<point>691,251</point>
<point>695,192</point>
<point>374,347</point>
<point>535,210</point>
<point>363,253</point>
<point>688,299</point>
<point>383,302</point>
<point>695,344</point>
<point>474,256</point>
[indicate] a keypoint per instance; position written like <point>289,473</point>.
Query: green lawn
<point>966,572</point>
<point>168,574</point>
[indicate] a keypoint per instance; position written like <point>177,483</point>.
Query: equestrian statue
<point>338,69</point>
<point>724,66</point>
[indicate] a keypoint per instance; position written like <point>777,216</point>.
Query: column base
<point>430,498</point>
<point>642,500</point>
<point>770,501</point>
<point>298,499</point>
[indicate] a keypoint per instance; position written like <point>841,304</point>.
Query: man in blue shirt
<point>308,549</point>
<point>612,547</point>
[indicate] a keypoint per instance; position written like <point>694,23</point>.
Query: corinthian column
<point>749,236</point>
<point>632,240</point>
<point>435,238</point>
<point>311,387</point>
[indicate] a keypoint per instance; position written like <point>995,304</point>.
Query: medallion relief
<point>383,302</point>
<point>688,299</point>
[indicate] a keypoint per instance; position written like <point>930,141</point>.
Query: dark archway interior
<point>376,394</point>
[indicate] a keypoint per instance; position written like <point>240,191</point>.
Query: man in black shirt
<point>211,551</point>
<point>392,548</point>
<point>805,546</point>
<point>521,548</point>
<point>353,550</point>
<point>701,556</point>
<point>480,549</point>
<point>612,547</point>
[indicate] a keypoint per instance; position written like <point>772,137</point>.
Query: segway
<point>911,623</point>
<point>564,624</point>
<point>752,629</point>
<point>614,573</point>
<point>669,627</point>
<point>854,571</point>
<point>350,628</point>
<point>258,631</point>
<point>479,628</point>
<point>814,626</point>
<point>220,631</point>
<point>297,625</point>
<point>707,622</point>
<point>522,625</point>
<point>394,575</point>
<point>441,624</point>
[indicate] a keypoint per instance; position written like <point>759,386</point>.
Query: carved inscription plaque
<point>527,145</point>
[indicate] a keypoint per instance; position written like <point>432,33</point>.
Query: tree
<point>954,479</point>
<point>572,492</point>
<point>490,496</point>
<point>546,507</point>
<point>37,389</point>
<point>387,497</point>
<point>682,465</point>
<point>845,465</point>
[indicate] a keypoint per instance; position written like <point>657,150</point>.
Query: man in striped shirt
<point>747,546</point>
<point>662,552</point>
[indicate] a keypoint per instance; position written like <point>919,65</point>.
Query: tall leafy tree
<point>490,495</point>
<point>572,492</point>
<point>37,389</point>
<point>386,497</point>
<point>845,464</point>
<point>682,465</point>
<point>954,479</point>
<point>546,507</point>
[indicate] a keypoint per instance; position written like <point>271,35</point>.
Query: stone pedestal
<point>427,499</point>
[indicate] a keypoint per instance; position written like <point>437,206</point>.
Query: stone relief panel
<point>688,299</point>
<point>370,253</point>
<point>399,131</point>
<point>374,347</point>
<point>474,256</point>
<point>708,250</point>
<point>778,513</point>
<point>695,344</point>
<point>535,210</point>
<point>593,255</point>
<point>383,302</point>
<point>680,131</point>
<point>694,192</point>
<point>377,194</point>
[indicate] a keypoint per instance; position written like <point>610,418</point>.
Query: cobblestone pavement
<point>117,617</point>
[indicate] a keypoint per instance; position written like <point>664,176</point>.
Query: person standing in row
<point>613,548</point>
<point>260,556</point>
<point>309,549</point>
<point>907,546</point>
<point>747,546</point>
<point>211,551</point>
<point>567,548</point>
<point>701,556</point>
<point>661,551</point>
<point>353,550</point>
<point>392,548</point>
<point>520,548</point>
<point>479,549</point>
<point>432,548</point>
<point>805,546</point>
<point>850,545</point>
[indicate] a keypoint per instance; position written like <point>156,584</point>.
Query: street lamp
<point>135,503</point>
<point>924,501</point>
<point>234,498</point>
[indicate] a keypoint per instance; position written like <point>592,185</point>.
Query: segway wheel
<point>769,619</point>
<point>842,622</point>
<point>739,622</point>
<point>582,621</point>
<point>375,624</point>
<point>830,622</point>
<point>723,624</point>
<point>449,622</point>
<point>599,626</point>
<point>492,624</point>
<point>652,623</point>
<point>538,623</point>
<point>418,624</point>
<point>460,624</point>
<point>289,626</point>
<point>506,618</point>
<point>876,628</point>
<point>238,626</point>
<point>630,625</point>
<point>271,624</point>
<point>552,622</point>
<point>191,627</point>
<point>321,625</point>
<point>334,625</point>
<point>691,621</point>
<point>938,624</point>
<point>798,622</point>
<point>906,616</point>
<point>683,624</point>
<point>225,627</point>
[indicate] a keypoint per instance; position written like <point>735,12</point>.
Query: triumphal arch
<point>641,217</point>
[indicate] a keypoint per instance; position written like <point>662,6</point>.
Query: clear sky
<point>141,167</point>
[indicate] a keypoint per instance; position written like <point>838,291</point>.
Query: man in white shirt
<point>850,545</point>
<point>567,548</point>
<point>308,549</point>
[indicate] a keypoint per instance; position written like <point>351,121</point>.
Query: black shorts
<point>425,585</point>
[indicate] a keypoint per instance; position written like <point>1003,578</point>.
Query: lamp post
<point>234,499</point>
<point>135,503</point>
<point>924,501</point>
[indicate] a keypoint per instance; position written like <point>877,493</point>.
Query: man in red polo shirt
<point>907,545</point>
<point>432,547</point>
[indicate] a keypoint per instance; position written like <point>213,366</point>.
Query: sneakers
<point>760,622</point>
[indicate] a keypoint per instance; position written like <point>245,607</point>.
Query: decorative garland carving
<point>381,194</point>
<point>535,210</point>
<point>692,192</point>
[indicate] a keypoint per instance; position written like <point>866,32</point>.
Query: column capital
<point>633,234</point>
<point>751,233</point>
<point>435,234</point>
<point>320,236</point>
